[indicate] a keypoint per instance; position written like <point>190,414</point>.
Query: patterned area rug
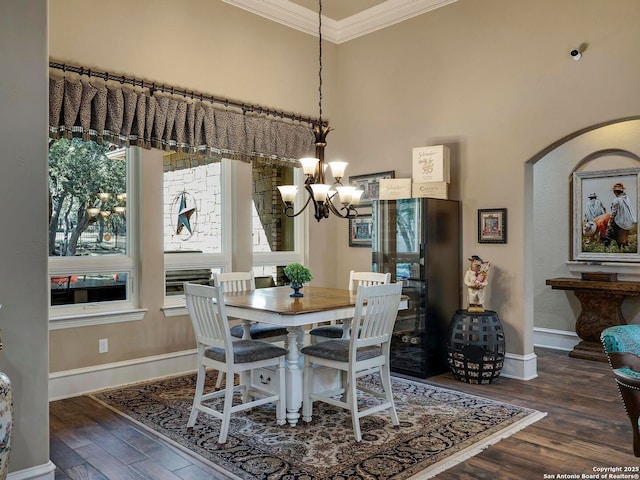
<point>438,429</point>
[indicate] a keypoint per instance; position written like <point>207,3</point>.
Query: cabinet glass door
<point>396,248</point>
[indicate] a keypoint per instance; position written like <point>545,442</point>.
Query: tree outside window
<point>87,199</point>
<point>88,214</point>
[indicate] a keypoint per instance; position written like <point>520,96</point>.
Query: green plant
<point>298,273</point>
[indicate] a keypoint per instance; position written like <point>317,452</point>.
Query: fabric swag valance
<point>131,116</point>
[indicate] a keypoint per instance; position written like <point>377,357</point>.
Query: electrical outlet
<point>103,345</point>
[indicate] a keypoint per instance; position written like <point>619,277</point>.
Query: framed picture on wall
<point>360,231</point>
<point>492,225</point>
<point>370,184</point>
<point>604,215</point>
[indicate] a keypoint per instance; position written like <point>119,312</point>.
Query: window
<point>94,243</point>
<point>92,261</point>
<point>277,239</point>
<point>201,190</point>
<point>194,221</point>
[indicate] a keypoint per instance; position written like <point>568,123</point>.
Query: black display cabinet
<point>418,241</point>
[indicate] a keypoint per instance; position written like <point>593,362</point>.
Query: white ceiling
<point>342,20</point>
<point>338,9</point>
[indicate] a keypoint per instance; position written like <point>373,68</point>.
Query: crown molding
<point>375,18</point>
<point>384,15</point>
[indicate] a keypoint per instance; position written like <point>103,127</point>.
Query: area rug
<point>439,428</point>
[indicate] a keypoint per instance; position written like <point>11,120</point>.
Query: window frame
<point>174,305</point>
<point>94,313</point>
<point>301,227</point>
<point>97,313</point>
<point>221,261</point>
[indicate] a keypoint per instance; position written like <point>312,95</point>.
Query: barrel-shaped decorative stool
<point>475,350</point>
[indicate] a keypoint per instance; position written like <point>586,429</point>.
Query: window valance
<point>131,116</point>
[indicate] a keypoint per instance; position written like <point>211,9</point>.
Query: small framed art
<point>370,183</point>
<point>492,225</point>
<point>360,231</point>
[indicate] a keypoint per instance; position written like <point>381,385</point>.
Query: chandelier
<point>321,194</point>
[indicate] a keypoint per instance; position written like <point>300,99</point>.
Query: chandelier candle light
<point>321,194</point>
<point>100,208</point>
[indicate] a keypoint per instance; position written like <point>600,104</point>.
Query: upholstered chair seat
<point>246,351</point>
<point>327,331</point>
<point>338,350</point>
<point>260,331</point>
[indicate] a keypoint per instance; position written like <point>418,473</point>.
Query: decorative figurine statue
<point>476,279</point>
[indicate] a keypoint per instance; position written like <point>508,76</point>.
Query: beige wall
<point>23,243</point>
<point>557,310</point>
<point>207,46</point>
<point>491,79</point>
<point>494,81</point>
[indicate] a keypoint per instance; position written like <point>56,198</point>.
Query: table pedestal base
<point>589,351</point>
<point>599,309</point>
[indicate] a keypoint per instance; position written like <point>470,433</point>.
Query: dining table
<point>275,306</point>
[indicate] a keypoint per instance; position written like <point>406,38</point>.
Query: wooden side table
<point>600,308</point>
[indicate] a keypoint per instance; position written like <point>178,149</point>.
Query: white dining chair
<point>336,330</point>
<point>365,352</point>
<point>240,282</point>
<point>217,350</point>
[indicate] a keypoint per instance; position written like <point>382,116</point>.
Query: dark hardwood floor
<point>586,427</point>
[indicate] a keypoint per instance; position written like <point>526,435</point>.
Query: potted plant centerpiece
<point>297,274</point>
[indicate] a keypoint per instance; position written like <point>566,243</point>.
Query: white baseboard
<point>525,367</point>
<point>46,471</point>
<point>520,367</point>
<point>71,383</point>
<point>555,339</point>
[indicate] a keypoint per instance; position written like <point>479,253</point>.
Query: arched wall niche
<point>608,146</point>
<point>593,160</point>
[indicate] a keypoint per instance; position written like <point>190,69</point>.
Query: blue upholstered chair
<point>622,346</point>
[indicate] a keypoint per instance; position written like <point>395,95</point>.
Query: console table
<point>600,308</point>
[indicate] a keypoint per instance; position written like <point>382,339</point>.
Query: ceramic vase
<point>296,291</point>
<point>6,420</point>
<point>6,423</point>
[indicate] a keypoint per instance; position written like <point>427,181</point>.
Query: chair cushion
<point>621,338</point>
<point>339,350</point>
<point>245,351</point>
<point>328,331</point>
<point>628,360</point>
<point>259,331</point>
<point>627,374</point>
